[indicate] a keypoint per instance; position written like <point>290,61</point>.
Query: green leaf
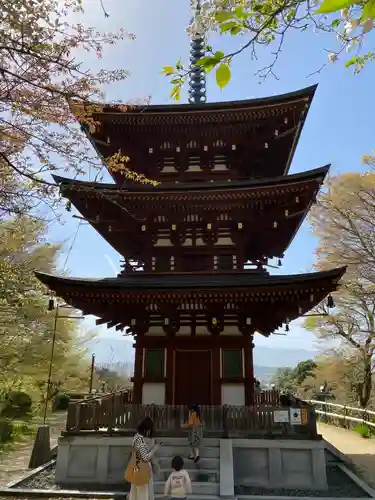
<point>219,55</point>
<point>329,6</point>
<point>167,70</point>
<point>368,10</point>
<point>228,26</point>
<point>336,23</point>
<point>239,12</point>
<point>223,15</point>
<point>223,75</point>
<point>206,61</point>
<point>176,93</point>
<point>235,30</point>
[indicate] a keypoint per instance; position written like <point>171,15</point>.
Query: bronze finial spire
<point>197,83</point>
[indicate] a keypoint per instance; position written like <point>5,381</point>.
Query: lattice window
<point>232,363</point>
<point>154,363</point>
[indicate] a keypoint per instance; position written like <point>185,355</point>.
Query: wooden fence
<point>115,413</point>
<point>343,415</point>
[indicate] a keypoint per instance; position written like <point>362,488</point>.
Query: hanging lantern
<point>214,321</point>
<point>330,302</point>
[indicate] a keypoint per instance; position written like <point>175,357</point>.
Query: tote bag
<point>137,471</point>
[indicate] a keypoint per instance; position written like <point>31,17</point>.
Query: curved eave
<point>306,94</point>
<point>181,282</point>
<point>86,196</point>
<point>317,175</point>
<point>142,114</point>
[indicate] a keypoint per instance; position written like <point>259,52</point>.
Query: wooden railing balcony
<point>115,414</point>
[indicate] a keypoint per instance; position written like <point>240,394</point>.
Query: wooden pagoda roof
<point>199,189</point>
<point>143,126</point>
<point>118,214</point>
<point>215,112</point>
<point>269,300</point>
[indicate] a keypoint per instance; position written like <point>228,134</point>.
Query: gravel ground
<point>340,485</point>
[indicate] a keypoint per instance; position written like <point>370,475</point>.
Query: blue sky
<point>339,128</point>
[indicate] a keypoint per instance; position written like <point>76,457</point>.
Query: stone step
<point>183,441</point>
<point>198,488</point>
<point>204,463</point>
<point>159,496</point>
<point>183,451</point>
<point>197,475</point>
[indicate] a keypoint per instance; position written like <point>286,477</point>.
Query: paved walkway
<point>15,463</point>
<point>360,451</point>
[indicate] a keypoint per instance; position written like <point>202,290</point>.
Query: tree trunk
<point>364,388</point>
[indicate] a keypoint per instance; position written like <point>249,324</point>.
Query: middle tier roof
<point>261,215</point>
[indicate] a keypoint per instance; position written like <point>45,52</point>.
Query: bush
<point>17,404</point>
<point>6,430</point>
<point>61,401</point>
<point>363,430</point>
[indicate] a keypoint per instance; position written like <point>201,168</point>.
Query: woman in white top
<point>144,430</point>
<point>178,485</point>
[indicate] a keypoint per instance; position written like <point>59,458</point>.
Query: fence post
<point>225,422</point>
<point>346,421</point>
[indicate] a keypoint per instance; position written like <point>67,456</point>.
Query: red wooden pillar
<point>215,376</point>
<point>249,370</point>
<point>138,373</point>
<point>169,379</point>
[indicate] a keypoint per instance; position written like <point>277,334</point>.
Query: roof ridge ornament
<point>197,81</point>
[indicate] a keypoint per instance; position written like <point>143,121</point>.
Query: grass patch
<point>16,432</point>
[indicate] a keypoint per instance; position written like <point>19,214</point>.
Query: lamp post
<point>42,447</point>
<point>51,307</point>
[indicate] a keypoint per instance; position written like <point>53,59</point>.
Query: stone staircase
<point>205,474</point>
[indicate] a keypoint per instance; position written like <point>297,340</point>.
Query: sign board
<point>295,416</point>
<point>281,416</point>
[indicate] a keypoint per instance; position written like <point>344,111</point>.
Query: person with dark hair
<point>178,484</point>
<point>195,427</point>
<point>144,453</point>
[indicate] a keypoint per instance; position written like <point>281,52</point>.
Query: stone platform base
<point>101,460</point>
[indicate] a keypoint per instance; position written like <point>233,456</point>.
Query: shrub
<point>6,430</point>
<point>17,404</point>
<point>61,401</point>
<point>363,430</point>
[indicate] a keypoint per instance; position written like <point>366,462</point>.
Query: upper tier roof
<point>247,124</point>
<point>316,174</point>
<point>119,214</point>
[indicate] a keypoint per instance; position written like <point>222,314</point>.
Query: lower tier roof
<point>148,300</point>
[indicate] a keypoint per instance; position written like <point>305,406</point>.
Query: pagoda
<point>194,286</point>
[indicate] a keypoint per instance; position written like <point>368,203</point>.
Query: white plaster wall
<point>233,394</point>
<point>153,393</point>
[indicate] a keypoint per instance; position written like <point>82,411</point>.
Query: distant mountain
<point>120,353</point>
